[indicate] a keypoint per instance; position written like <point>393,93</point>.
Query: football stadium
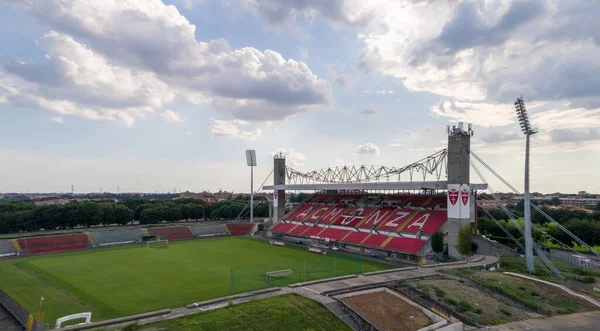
<point>358,253</point>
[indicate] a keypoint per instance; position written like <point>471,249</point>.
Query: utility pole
<point>251,162</point>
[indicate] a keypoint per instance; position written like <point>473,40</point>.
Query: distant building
<point>582,194</point>
<point>488,204</point>
<point>204,196</point>
<point>55,201</point>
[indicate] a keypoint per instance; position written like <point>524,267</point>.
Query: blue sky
<point>150,95</point>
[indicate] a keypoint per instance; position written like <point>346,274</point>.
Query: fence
<point>19,313</point>
<point>255,277</point>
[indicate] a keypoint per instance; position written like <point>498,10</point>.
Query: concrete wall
<point>490,247</point>
<point>279,179</point>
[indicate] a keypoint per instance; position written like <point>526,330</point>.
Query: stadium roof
<point>440,185</point>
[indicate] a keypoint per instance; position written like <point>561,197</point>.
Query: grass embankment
<point>552,301</point>
<point>115,282</point>
<point>287,312</point>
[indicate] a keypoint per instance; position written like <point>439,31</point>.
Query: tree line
<point>19,216</point>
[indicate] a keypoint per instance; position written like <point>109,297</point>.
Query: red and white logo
<point>464,195</point>
<point>453,196</point>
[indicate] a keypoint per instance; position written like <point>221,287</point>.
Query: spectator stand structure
<point>361,208</point>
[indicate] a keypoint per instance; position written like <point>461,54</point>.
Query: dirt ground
<point>489,309</point>
<point>389,311</point>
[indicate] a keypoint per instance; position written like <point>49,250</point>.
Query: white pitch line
<point>306,288</point>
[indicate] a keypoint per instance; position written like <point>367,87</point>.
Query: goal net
<point>278,274</point>
<point>154,243</point>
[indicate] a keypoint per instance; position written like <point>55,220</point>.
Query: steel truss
<point>435,164</point>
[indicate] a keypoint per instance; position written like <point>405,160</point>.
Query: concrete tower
<point>460,202</point>
<point>278,195</point>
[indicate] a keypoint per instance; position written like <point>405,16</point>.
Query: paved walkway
<point>579,322</point>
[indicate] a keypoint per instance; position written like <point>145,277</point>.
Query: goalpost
<point>278,274</point>
<point>158,242</point>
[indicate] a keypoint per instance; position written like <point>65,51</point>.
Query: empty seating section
<point>334,234</point>
<point>313,231</point>
<point>395,219</point>
<point>356,237</point>
<point>6,248</point>
<point>299,229</point>
<point>283,227</point>
<point>387,214</point>
<point>409,245</point>
<point>429,221</point>
<point>375,217</point>
<point>211,230</point>
<point>49,244</point>
<point>241,229</point>
<point>117,237</point>
<point>333,214</point>
<point>353,216</point>
<point>375,240</point>
<point>172,233</point>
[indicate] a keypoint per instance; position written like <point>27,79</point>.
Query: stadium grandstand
<point>360,209</point>
<point>7,249</point>
<point>51,244</point>
<point>215,230</point>
<point>116,237</point>
<point>172,233</point>
<point>398,225</point>
<point>239,229</point>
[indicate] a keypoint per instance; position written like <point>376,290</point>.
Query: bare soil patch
<point>389,311</point>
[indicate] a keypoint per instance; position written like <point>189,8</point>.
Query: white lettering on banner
<point>418,222</point>
<point>305,213</point>
<point>375,218</point>
<point>315,216</point>
<point>333,213</point>
<point>401,215</point>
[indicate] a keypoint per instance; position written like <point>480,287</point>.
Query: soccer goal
<point>155,243</point>
<point>278,274</point>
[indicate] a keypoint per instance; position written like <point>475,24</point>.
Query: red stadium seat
<point>353,216</point>
<point>299,229</point>
<point>49,244</point>
<point>429,221</point>
<point>283,227</point>
<point>334,234</point>
<point>239,229</point>
<point>375,240</point>
<point>319,213</point>
<point>356,237</point>
<point>376,217</point>
<point>408,245</point>
<point>313,231</point>
<point>333,214</point>
<point>396,219</point>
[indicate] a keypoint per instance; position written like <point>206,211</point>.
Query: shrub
<point>439,292</point>
<point>451,301</point>
<point>464,305</point>
<point>505,311</point>
<point>478,310</point>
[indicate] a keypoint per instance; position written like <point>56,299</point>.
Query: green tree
<point>437,242</point>
<point>597,207</point>
<point>463,244</point>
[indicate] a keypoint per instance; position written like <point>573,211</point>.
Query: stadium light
<point>251,162</point>
<point>528,131</point>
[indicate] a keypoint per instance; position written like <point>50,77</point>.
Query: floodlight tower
<point>251,162</point>
<point>528,131</point>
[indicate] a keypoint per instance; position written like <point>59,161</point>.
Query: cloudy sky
<point>153,95</point>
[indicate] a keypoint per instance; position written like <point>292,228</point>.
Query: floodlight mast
<point>528,131</point>
<point>251,162</point>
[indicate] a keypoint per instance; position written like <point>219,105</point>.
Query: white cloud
<point>171,116</point>
<point>478,113</point>
<point>76,81</point>
<point>342,80</point>
<point>378,91</point>
<point>395,145</point>
<point>188,134</point>
<point>370,111</point>
<point>58,119</point>
<point>367,148</point>
<point>292,158</point>
<point>351,13</point>
<point>231,129</point>
<point>156,46</point>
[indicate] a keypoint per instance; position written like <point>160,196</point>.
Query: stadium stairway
<point>7,248</point>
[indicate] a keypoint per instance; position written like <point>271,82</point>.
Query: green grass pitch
<point>116,282</point>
